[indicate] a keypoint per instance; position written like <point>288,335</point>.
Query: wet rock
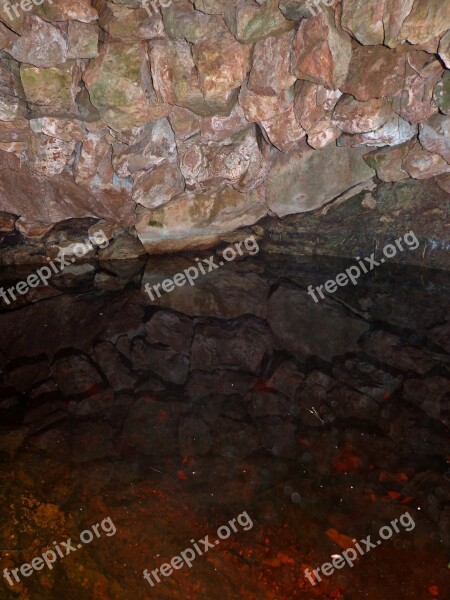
<point>235,439</point>
<point>194,437</point>
<point>32,230</point>
<point>120,86</point>
<point>110,363</point>
<point>322,51</point>
<point>277,436</point>
<point>222,64</point>
<point>434,136</point>
<point>123,247</point>
<point>170,329</point>
<point>264,404</point>
<point>94,441</point>
<point>221,382</point>
<point>242,345</point>
<point>429,394</point>
<point>198,220</point>
<point>421,164</point>
<point>25,376</point>
<point>270,74</point>
<point>165,362</point>
<point>75,374</point>
<point>388,349</point>
<point>295,183</point>
<point>221,293</point>
<point>352,116</point>
<point>292,314</point>
<point>11,441</point>
<point>249,22</point>
<point>287,379</point>
<point>440,334</point>
<point>150,430</point>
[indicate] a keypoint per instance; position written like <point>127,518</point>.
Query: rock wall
<point>187,119</point>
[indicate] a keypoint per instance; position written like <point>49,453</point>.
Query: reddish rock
<point>159,185</point>
<point>198,220</point>
<point>7,221</point>
<point>284,131</point>
<point>444,183</point>
<point>270,74</point>
<point>261,108</point>
<point>427,19</point>
<point>388,162</point>
<point>64,199</point>
<point>434,136</point>
<point>124,246</point>
<point>313,102</point>
<point>69,130</point>
<point>421,164</point>
<point>155,143</point>
<point>322,51</point>
<point>32,230</point>
<point>92,166</point>
<point>249,22</point>
<point>222,64</point>
<point>129,23</point>
<point>41,44</point>
<point>375,72</point>
<point>82,40</point>
<point>176,80</point>
<point>395,12</point>
<point>217,129</point>
<point>323,133</point>
<point>415,101</point>
<point>352,116</point>
<point>211,164</point>
<point>66,10</point>
<point>395,131</point>
<point>184,122</point>
<point>182,21</point>
<point>363,19</point>
<point>120,86</point>
<point>47,155</point>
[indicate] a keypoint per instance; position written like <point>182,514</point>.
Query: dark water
<point>238,398</point>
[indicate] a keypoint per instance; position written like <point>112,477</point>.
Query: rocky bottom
<point>322,421</point>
